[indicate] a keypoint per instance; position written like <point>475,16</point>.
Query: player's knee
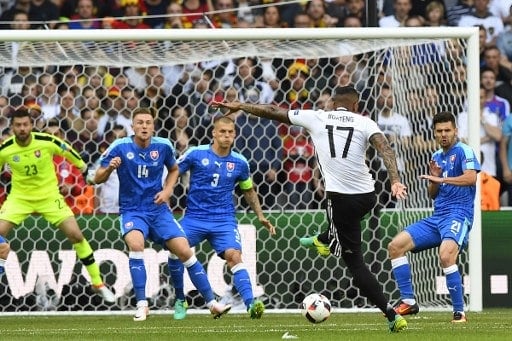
<point>399,245</point>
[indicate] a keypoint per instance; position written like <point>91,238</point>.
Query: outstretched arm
<point>381,144</point>
<point>269,111</point>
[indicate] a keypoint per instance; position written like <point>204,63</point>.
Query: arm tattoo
<point>269,111</point>
<point>254,202</point>
<point>380,142</point>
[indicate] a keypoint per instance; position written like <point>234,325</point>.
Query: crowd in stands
<point>91,106</point>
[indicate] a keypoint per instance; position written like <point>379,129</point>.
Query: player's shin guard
<point>199,278</point>
<point>242,283</point>
<point>454,285</point>
<point>176,270</point>
<point>86,256</point>
<point>402,272</point>
<point>138,273</point>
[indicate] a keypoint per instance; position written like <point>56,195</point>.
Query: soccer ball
<point>316,308</point>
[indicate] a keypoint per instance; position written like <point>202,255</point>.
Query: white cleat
<point>219,309</point>
<point>107,295</point>
<point>141,314</point>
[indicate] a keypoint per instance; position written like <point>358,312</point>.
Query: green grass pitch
<point>487,325</point>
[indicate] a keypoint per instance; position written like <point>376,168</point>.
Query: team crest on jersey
<point>205,162</point>
<point>16,158</point>
<point>153,154</point>
<point>230,166</point>
<point>130,155</point>
<point>37,153</point>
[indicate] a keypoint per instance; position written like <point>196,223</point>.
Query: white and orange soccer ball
<point>316,308</point>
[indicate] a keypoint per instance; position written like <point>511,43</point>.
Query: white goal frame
<point>468,33</point>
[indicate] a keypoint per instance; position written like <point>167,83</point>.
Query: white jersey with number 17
<point>341,139</point>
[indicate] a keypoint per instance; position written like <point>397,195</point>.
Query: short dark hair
<point>21,112</point>
<point>444,116</point>
<point>345,90</point>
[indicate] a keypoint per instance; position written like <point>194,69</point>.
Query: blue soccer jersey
<point>453,163</point>
<point>212,182</point>
<point>141,175</point>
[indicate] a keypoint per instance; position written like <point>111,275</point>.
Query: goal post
<point>410,58</point>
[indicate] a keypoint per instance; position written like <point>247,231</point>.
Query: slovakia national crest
<point>452,158</point>
<point>37,153</point>
<point>230,166</point>
<point>153,154</point>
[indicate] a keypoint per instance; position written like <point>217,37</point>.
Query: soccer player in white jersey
<point>341,138</point>
<point>140,160</point>
<point>452,180</point>
<point>215,170</point>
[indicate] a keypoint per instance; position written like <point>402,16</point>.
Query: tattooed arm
<point>381,144</point>
<point>270,111</point>
<point>254,202</point>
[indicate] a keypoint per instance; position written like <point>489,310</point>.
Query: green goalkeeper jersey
<point>32,168</point>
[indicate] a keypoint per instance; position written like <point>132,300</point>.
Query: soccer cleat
<point>219,309</point>
<point>256,309</point>
<point>141,313</point>
<point>402,308</point>
<point>398,324</point>
<point>321,248</point>
<point>103,291</point>
<point>459,317</point>
<point>180,309</point>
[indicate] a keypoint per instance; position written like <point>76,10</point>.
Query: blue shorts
<point>221,235</point>
<point>157,226</point>
<point>431,231</point>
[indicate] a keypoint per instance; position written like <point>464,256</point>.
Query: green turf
<point>487,325</point>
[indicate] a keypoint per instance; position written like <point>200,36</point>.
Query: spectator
<point>85,16</point>
<point>353,9</point>
<point>174,18</point>
<point>352,21</point>
<point>502,9</point>
<point>107,193</point>
<point>155,10</point>
<point>496,104</point>
<point>434,14</point>
<point>193,9</point>
<point>272,18</point>
<point>402,9</point>
<point>133,11</point>
<point>302,20</point>
<point>490,134</point>
<point>480,15</point>
<point>492,60</point>
<point>225,14</point>
<point>44,12</point>
<point>48,99</point>
<point>455,12</point>
<point>35,113</point>
<point>246,82</point>
<point>88,141</point>
<point>293,93</point>
<point>316,10</point>
<point>298,163</point>
<point>259,142</point>
<point>112,105</point>
<point>22,6</point>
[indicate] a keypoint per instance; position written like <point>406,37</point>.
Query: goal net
<point>86,81</point>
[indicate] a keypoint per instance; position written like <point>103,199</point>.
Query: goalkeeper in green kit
<point>34,189</point>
